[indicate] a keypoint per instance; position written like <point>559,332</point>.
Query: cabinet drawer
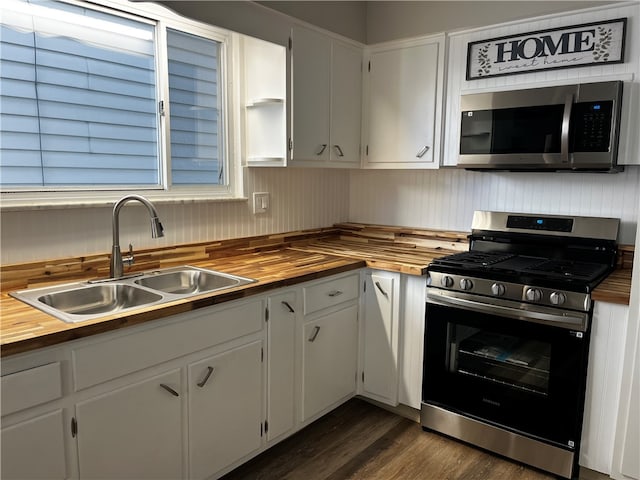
<point>99,362</point>
<point>28,388</point>
<point>331,292</point>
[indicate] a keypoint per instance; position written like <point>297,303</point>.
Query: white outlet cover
<point>260,202</point>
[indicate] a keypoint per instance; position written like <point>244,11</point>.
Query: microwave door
<point>565,127</point>
<point>527,136</point>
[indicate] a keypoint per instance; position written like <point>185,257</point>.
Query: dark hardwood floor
<point>360,441</point>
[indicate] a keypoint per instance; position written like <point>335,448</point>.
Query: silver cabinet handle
<point>335,293</point>
<point>424,150</point>
<point>322,148</point>
<point>206,377</point>
<point>313,336</point>
<point>286,304</point>
<point>339,150</point>
<point>170,390</point>
<point>381,289</point>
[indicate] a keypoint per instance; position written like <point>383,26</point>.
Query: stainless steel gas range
<point>507,335</point>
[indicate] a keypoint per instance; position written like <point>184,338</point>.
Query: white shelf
<point>266,162</point>
<point>259,102</point>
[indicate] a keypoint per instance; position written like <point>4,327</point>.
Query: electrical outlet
<point>260,202</point>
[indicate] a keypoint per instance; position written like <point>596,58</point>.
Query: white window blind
<point>195,109</point>
<point>78,102</point>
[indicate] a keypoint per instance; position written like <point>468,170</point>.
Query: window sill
<point>64,200</point>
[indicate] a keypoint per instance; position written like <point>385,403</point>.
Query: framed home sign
<point>565,47</point>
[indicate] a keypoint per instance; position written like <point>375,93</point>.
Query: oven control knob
<point>447,281</point>
<point>466,284</point>
<point>558,298</point>
<point>533,295</point>
<point>497,289</point>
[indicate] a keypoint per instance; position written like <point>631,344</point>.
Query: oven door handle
<point>571,320</point>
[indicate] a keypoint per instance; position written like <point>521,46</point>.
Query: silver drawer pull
<point>170,390</point>
<point>381,289</point>
<point>313,336</point>
<point>424,150</point>
<point>322,148</point>
<point>335,293</point>
<point>286,304</point>
<point>206,377</point>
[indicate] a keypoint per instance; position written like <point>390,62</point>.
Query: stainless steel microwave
<point>568,127</point>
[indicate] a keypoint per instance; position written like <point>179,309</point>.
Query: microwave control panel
<point>591,122</point>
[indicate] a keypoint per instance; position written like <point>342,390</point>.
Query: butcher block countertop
<point>274,261</point>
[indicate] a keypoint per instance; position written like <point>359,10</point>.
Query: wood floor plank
<point>359,441</point>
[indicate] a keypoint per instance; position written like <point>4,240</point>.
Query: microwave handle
<point>564,134</point>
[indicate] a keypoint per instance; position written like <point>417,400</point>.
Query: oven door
<point>528,378</point>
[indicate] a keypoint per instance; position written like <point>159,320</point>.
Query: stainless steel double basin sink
<point>82,301</point>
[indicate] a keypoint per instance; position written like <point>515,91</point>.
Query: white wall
<point>446,198</point>
<point>392,20</point>
<point>300,199</point>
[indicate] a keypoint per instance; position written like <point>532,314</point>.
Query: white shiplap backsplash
<point>300,199</point>
<point>445,199</point>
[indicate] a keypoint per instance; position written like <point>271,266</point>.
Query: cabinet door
<point>35,448</point>
<point>329,358</point>
<point>346,103</point>
<point>380,338</point>
<point>604,379</point>
<point>402,107</point>
<point>311,58</point>
<point>225,409</point>
<point>133,432</point>
<point>281,363</point>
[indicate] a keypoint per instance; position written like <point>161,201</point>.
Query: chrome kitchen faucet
<point>115,269</point>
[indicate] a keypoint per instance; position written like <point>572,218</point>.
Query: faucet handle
<point>128,259</point>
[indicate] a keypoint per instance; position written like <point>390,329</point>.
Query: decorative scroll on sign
<point>565,47</point>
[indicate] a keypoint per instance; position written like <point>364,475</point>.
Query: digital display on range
<point>537,223</point>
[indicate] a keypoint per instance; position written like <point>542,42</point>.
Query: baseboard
<point>588,474</point>
<point>405,411</point>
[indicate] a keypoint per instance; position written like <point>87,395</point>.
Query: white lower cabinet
<point>35,448</point>
<point>281,328</point>
<point>329,360</point>
<point>133,432</point>
<point>604,380</point>
<point>225,409</point>
<point>33,418</point>
<point>380,337</point>
<point>191,396</point>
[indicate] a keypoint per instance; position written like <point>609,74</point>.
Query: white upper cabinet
<point>327,91</point>
<point>403,106</point>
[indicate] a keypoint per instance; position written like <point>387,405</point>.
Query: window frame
<point>231,189</point>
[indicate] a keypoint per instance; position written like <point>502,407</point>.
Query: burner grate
<point>569,269</point>
<point>474,258</point>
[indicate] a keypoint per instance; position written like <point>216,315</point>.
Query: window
<point>91,100</point>
<point>195,110</point>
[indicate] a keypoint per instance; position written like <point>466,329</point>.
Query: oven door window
<point>523,376</point>
<point>510,360</point>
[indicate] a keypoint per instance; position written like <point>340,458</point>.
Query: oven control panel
<point>485,289</point>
